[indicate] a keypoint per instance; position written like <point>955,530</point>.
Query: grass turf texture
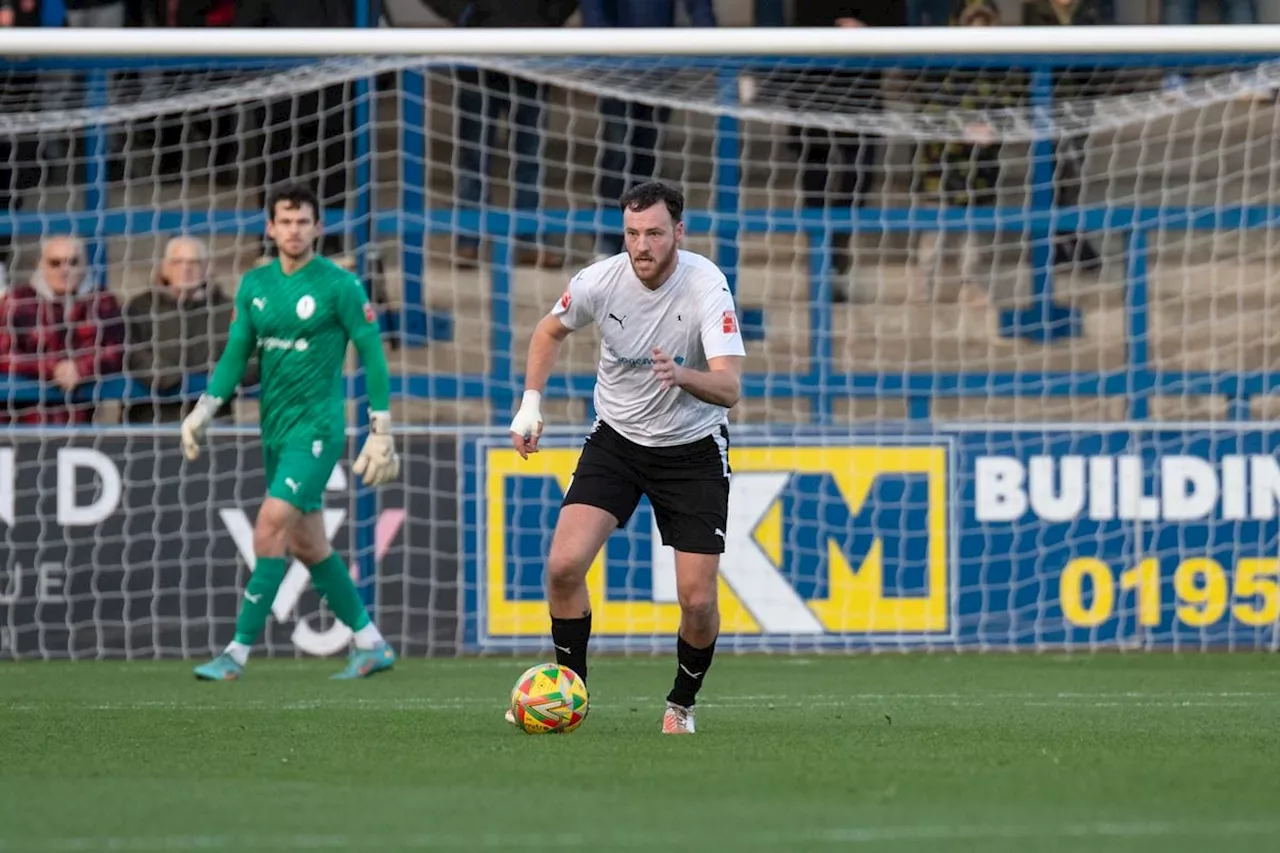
<point>891,753</point>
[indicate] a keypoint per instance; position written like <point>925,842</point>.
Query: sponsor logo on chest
<point>306,307</point>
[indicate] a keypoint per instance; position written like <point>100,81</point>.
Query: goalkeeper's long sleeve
<point>377,376</point>
<point>230,368</point>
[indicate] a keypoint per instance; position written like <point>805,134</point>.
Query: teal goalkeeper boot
<point>366,662</point>
<point>221,668</point>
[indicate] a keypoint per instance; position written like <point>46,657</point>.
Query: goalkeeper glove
<point>527,425</point>
<point>196,423</point>
<point>378,462</point>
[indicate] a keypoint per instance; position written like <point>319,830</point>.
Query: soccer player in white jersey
<point>670,369</point>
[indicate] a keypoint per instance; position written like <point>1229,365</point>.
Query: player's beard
<point>303,253</point>
<point>662,266</point>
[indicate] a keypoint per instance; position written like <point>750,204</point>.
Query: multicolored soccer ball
<point>549,698</point>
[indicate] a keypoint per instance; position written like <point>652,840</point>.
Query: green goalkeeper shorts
<point>298,474</point>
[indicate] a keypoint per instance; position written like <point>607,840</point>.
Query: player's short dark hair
<point>646,195</point>
<point>295,196</point>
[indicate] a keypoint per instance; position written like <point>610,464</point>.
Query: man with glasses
<point>60,331</point>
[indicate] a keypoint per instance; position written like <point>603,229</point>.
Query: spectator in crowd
<point>309,125</point>
<point>836,168</point>
<point>629,138</point>
<point>1082,86</point>
<point>172,141</point>
<point>961,173</point>
<point>61,330</point>
<point>1186,12</point>
<point>97,14</point>
<point>481,97</point>
<point>19,92</point>
<point>178,328</point>
<point>19,13</point>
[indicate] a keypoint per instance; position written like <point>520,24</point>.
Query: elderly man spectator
<point>177,328</point>
<point>60,330</point>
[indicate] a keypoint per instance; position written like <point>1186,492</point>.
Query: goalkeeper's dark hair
<point>295,196</point>
<point>646,195</point>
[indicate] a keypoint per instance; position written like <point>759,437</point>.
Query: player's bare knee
<point>565,575</point>
<point>699,606</point>
<point>270,531</point>
<point>305,549</point>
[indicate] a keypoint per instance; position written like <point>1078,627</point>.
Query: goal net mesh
<point>958,279</point>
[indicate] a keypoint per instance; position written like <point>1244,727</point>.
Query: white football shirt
<point>691,318</point>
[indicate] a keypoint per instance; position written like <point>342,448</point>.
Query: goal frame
<point>1209,40</point>
<point>1042,49</point>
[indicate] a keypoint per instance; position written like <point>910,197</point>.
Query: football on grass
<point>549,699</point>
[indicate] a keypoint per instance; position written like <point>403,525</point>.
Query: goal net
<point>1007,316</point>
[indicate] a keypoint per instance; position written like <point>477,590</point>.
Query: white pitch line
<point>1193,699</point>
<point>886,835</point>
<point>981,832</point>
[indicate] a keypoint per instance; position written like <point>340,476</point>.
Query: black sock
<point>691,669</point>
<point>570,638</point>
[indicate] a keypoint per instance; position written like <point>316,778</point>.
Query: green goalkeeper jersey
<point>300,325</point>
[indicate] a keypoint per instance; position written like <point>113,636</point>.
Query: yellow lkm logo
<point>820,540</point>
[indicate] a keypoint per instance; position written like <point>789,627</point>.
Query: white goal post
<point>1008,293</point>
<point>793,41</point>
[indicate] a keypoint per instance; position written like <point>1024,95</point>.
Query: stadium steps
<point>1208,312</point>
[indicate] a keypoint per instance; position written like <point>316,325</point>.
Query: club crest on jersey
<point>306,307</point>
<point>730,323</point>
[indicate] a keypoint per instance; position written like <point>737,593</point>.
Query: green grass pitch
<point>981,754</point>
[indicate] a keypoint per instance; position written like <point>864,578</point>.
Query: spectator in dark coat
<point>964,172</point>
<point>308,125</point>
<point>178,328</point>
<point>60,330</point>
<point>1082,85</point>
<point>629,131</point>
<point>481,96</point>
<point>836,167</point>
<point>18,157</point>
<point>177,133</point>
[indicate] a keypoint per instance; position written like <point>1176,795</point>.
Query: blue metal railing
<point>820,384</point>
<point>412,223</point>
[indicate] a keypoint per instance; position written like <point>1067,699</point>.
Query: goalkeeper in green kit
<point>298,313</point>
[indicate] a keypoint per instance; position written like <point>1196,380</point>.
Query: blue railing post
<point>820,324</point>
<point>919,408</point>
<point>1137,316</point>
<point>413,205</point>
<point>502,320</point>
<point>366,514</point>
<point>53,13</point>
<point>728,175</point>
<point>98,153</point>
<point>1042,195</point>
<point>770,13</point>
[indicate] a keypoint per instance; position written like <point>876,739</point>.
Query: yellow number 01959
<point>1200,591</point>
